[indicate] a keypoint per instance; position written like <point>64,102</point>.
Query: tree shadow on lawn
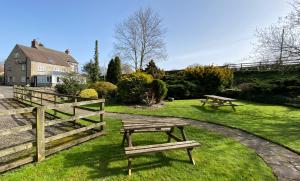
<point>107,160</point>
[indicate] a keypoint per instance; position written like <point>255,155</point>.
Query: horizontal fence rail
<point>271,65</point>
<point>43,146</point>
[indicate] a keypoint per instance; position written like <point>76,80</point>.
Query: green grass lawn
<point>103,158</point>
<point>277,123</point>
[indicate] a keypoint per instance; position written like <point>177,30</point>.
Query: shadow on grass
<point>108,160</point>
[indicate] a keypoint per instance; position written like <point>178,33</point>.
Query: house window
<point>17,55</point>
<point>56,69</point>
<point>13,79</point>
<point>23,79</point>
<point>8,68</point>
<point>23,67</point>
<point>41,68</point>
<point>49,79</point>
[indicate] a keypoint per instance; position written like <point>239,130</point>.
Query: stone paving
<point>284,163</point>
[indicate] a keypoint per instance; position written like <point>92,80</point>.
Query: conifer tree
<point>114,70</point>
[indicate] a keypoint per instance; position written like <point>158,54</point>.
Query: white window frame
<point>41,68</point>
<point>23,79</point>
<point>23,67</point>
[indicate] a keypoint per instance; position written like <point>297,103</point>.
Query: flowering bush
<point>89,93</point>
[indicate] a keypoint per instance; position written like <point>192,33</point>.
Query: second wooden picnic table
<point>218,101</point>
<point>131,126</point>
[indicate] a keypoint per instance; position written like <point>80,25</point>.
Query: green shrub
<point>178,91</point>
<point>71,84</point>
<point>233,93</point>
<point>132,87</point>
<point>104,89</point>
<point>153,70</point>
<point>89,93</point>
<point>160,90</point>
<point>209,79</point>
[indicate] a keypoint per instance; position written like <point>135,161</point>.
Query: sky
<point>198,31</point>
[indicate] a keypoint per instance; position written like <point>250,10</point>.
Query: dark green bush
<point>178,91</point>
<point>71,84</point>
<point>160,90</point>
<point>132,87</point>
<point>233,93</point>
<point>105,90</point>
<point>153,70</point>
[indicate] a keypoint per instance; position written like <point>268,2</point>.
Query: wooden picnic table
<point>149,126</point>
<point>218,101</point>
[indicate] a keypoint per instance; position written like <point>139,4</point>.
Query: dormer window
<point>50,60</point>
<point>41,68</point>
<point>16,55</point>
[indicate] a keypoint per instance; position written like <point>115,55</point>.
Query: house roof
<point>46,55</point>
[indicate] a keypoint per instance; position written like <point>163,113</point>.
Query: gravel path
<point>284,163</point>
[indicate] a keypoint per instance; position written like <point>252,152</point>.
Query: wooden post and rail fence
<point>264,65</point>
<point>42,146</point>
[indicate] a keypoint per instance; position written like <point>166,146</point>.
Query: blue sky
<point>198,31</point>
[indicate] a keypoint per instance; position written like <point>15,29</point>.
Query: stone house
<point>37,65</point>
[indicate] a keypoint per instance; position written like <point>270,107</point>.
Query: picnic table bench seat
<point>146,130</point>
<point>137,150</point>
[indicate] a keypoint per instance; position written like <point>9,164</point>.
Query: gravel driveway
<point>6,92</point>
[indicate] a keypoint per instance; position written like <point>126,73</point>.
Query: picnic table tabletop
<point>219,98</point>
<point>137,124</point>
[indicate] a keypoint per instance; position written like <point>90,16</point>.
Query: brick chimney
<point>67,51</point>
<point>34,43</point>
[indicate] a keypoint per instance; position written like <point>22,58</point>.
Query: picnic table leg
<point>124,138</point>
<point>232,106</point>
<point>203,104</point>
<point>129,140</point>
<point>129,166</point>
<point>169,137</point>
<point>130,145</point>
<point>189,150</point>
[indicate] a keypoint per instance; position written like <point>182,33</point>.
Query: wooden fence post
<point>30,94</point>
<point>40,133</point>
<point>101,115</point>
<point>74,111</point>
<point>55,101</point>
<point>22,96</point>
<point>41,98</point>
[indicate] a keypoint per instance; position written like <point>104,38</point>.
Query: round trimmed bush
<point>160,90</point>
<point>132,87</point>
<point>89,94</point>
<point>104,89</point>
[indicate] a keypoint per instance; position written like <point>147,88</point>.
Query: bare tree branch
<point>140,38</point>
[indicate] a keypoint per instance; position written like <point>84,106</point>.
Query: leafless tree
<point>126,69</point>
<point>280,41</point>
<point>140,38</point>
